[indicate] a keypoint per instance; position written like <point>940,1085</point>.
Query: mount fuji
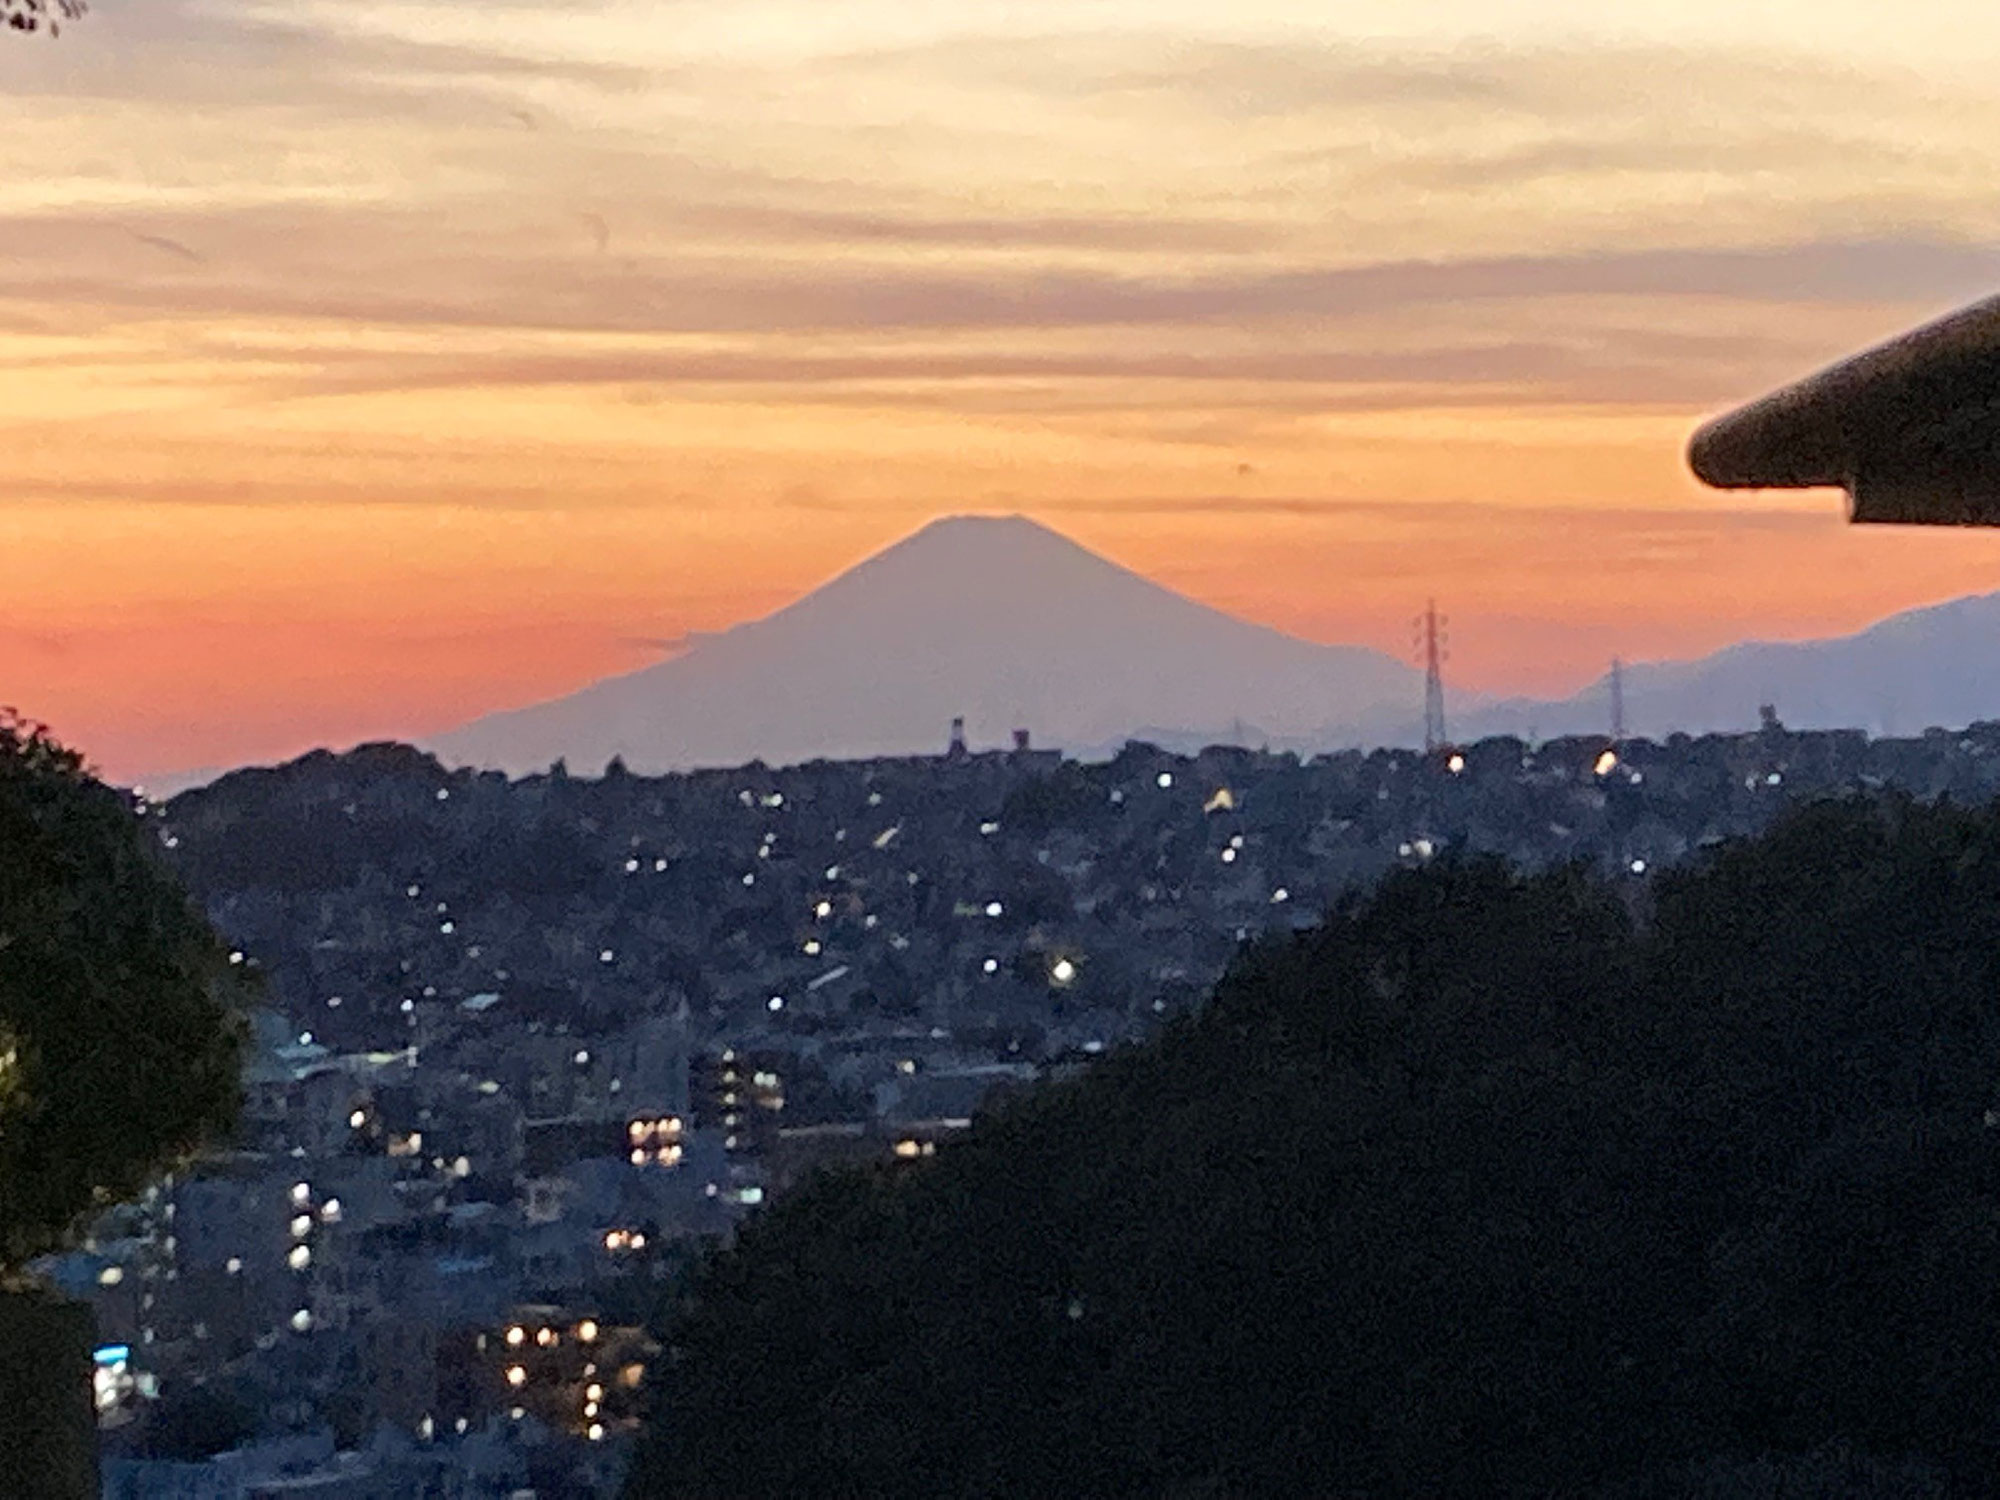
<point>997,620</point>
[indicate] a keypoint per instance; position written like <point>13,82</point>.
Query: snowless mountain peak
<point>997,619</point>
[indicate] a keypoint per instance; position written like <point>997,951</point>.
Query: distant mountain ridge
<point>1937,665</point>
<point>1010,625</point>
<point>996,619</point>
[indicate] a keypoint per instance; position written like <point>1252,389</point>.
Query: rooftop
<point>1910,428</point>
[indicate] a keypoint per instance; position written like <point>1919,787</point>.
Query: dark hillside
<point>1483,1188</point>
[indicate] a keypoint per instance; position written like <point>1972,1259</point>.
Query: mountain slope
<point>1932,666</point>
<point>997,619</point>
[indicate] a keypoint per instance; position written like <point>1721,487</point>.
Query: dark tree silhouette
<point>119,1044</point>
<point>1485,1188</point>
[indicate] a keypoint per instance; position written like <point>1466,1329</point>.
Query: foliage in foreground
<point>39,15</point>
<point>118,1050</point>
<point>1481,1189</point>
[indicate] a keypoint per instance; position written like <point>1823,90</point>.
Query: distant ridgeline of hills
<point>1009,625</point>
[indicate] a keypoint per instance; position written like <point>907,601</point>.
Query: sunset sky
<point>372,366</point>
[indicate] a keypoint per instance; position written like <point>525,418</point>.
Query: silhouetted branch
<point>40,15</point>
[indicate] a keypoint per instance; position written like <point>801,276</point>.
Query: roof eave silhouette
<point>1910,429</point>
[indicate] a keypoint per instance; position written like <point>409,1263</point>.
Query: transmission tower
<point>1617,701</point>
<point>1431,641</point>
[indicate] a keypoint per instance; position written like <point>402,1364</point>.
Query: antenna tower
<point>1432,639</point>
<point>1617,701</point>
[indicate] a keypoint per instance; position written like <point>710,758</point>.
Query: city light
<point>1063,971</point>
<point>587,1330</point>
<point>517,1376</point>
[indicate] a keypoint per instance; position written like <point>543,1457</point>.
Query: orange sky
<point>367,368</point>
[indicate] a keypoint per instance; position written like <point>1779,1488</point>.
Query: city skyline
<point>369,369</point>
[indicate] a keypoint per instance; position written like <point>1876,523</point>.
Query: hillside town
<point>526,1046</point>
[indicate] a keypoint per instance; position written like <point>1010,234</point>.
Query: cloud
<point>1467,514</point>
<point>170,246</point>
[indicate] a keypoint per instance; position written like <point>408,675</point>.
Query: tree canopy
<point>119,1044</point>
<point>1489,1186</point>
